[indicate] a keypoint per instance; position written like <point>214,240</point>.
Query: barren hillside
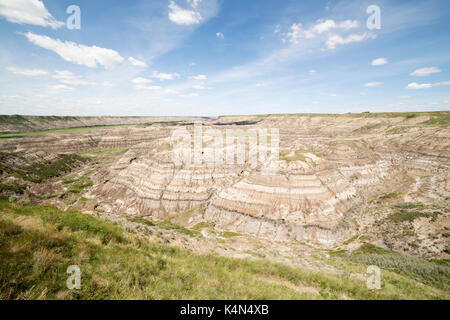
<point>344,182</point>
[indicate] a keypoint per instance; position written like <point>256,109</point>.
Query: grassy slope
<point>74,130</point>
<point>37,244</point>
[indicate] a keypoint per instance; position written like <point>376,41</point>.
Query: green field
<point>38,243</point>
<point>77,130</point>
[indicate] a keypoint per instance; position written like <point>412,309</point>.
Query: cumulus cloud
<point>199,86</point>
<point>425,72</point>
<point>199,77</point>
<point>418,86</point>
<point>68,77</point>
<point>143,84</point>
<point>379,62</point>
<point>297,32</point>
<point>220,35</point>
<point>137,63</point>
<point>27,72</point>
<point>335,39</point>
<point>182,16</point>
<point>164,76</point>
<point>141,80</point>
<point>194,3</point>
<point>31,12</point>
<point>77,53</point>
<point>372,84</point>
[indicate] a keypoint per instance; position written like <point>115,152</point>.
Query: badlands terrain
<point>350,191</point>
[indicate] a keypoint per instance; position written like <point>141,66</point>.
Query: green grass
<point>103,151</point>
<point>177,228</point>
<point>75,130</point>
<point>141,221</point>
<point>229,234</point>
<point>12,188</point>
<point>40,171</point>
<point>391,195</point>
<point>408,212</point>
<point>37,244</point>
<point>77,185</point>
<point>201,225</point>
<point>439,119</point>
<point>427,272</point>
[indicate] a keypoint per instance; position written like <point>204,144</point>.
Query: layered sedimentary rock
<point>329,169</point>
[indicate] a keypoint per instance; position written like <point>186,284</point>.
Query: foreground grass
<point>428,272</point>
<point>37,244</point>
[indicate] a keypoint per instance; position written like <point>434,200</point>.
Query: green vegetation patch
<point>12,188</point>
<point>40,171</point>
<point>439,119</point>
<point>141,221</point>
<point>78,185</point>
<point>427,272</point>
<point>37,244</point>
<point>73,130</point>
<point>408,212</point>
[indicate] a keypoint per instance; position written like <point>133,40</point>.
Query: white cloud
<point>194,3</point>
<point>297,32</point>
<point>404,97</point>
<point>417,86</point>
<point>425,72</point>
<point>199,86</point>
<point>143,84</point>
<point>324,26</point>
<point>164,76</point>
<point>349,24</point>
<point>260,84</point>
<point>27,72</point>
<point>336,39</point>
<point>199,77</point>
<point>148,87</point>
<point>312,71</point>
<point>379,62</point>
<point>182,16</point>
<point>220,35</point>
<point>141,80</point>
<point>77,53</point>
<point>137,63</point>
<point>68,77</point>
<point>190,95</point>
<point>31,12</point>
<point>60,88</point>
<point>171,91</point>
<point>277,29</point>
<point>372,84</point>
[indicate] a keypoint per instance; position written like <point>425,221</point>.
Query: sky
<point>223,57</point>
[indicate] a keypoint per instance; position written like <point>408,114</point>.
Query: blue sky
<point>217,57</point>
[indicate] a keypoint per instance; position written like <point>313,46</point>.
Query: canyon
<point>343,182</point>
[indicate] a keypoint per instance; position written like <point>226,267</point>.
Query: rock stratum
<point>342,179</point>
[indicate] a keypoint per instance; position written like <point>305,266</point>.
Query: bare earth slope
<point>344,182</point>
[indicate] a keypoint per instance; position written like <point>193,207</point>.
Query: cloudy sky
<point>216,57</point>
